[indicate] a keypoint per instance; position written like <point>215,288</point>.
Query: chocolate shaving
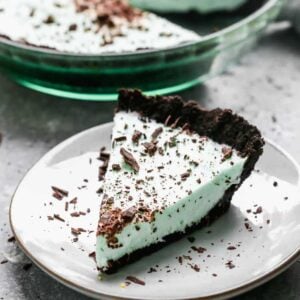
<point>231,248</point>
<point>58,217</point>
<point>74,201</point>
<point>66,206</point>
<point>198,249</point>
<point>175,124</point>
<point>77,231</point>
<point>195,267</point>
<point>121,138</point>
<point>129,159</point>
<point>93,255</point>
<point>57,196</point>
<point>60,191</point>
<point>156,133</point>
<point>135,280</point>
<point>108,11</point>
<point>75,214</point>
<point>3,262</point>
<point>167,120</point>
<point>184,176</point>
<point>150,148</point>
<point>103,156</point>
<point>136,136</point>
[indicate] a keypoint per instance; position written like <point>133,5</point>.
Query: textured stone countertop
<point>264,87</point>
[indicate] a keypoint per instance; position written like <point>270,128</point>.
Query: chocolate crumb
<point>191,239</point>
<point>135,280</point>
<point>66,206</point>
<point>116,167</point>
<point>214,275</point>
<point>259,210</point>
<point>195,267</point>
<point>152,270</point>
<point>248,227</point>
<point>49,20</point>
<point>230,265</point>
<point>26,267</point>
<point>73,27</point>
<point>11,239</point>
<point>150,148</point>
<point>275,183</point>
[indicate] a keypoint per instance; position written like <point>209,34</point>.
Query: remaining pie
<point>88,26</point>
<point>173,168</point>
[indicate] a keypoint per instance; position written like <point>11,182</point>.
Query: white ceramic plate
<point>238,257</point>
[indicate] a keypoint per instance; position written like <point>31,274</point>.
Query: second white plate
<point>256,240</point>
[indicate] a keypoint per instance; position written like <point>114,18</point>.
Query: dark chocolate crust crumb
<point>191,239</point>
<point>27,267</point>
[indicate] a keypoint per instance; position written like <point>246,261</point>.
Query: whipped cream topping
<point>163,186</point>
<point>69,26</point>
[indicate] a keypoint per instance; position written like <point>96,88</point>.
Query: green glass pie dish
<point>99,77</point>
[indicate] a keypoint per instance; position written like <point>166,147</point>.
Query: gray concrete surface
<point>264,87</point>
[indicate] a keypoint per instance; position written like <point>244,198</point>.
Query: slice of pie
<point>88,26</point>
<point>173,168</point>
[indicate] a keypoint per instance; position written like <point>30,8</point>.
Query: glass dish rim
<point>207,38</point>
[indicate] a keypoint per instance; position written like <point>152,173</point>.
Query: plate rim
<point>235,291</point>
